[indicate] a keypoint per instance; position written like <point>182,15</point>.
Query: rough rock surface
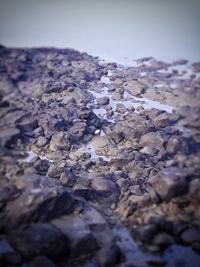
<point>99,163</point>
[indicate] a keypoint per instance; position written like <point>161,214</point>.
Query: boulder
<point>40,239</point>
<point>152,140</point>
<point>81,239</point>
<point>169,183</point>
<point>41,199</point>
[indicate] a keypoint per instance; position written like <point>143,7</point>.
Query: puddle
<point>133,255</point>
<point>128,101</point>
<point>180,256</point>
<point>31,156</point>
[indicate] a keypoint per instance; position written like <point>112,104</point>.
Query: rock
<point>117,137</point>
<point>94,219</point>
<point>194,191</point>
<point>82,191</point>
<point>42,198</point>
<point>103,100</point>
<point>40,239</point>
<point>59,141</point>
<point>41,261</point>
<point>41,141</point>
<point>9,136</point>
<point>190,236</point>
<point>103,185</point>
<point>99,142</point>
<point>67,177</point>
<point>135,87</point>
<point>108,256</point>
<point>173,145</point>
<point>163,240</point>
<point>76,131</point>
<point>151,151</point>
<point>169,183</point>
<point>7,254</point>
<point>28,124</point>
<point>41,166</point>
<point>122,184</point>
<point>81,240</point>
<point>146,232</point>
<point>12,257</point>
<point>165,119</point>
<point>54,171</point>
<point>117,96</point>
<point>152,140</point>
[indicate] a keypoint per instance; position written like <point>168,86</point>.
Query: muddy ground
<point>99,162</point>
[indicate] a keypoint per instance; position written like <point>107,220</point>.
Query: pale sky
<point>111,29</point>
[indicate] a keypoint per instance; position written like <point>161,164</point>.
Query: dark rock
<point>27,125</point>
<point>40,239</point>
<point>108,256</point>
<point>12,257</point>
<point>190,236</point>
<point>41,261</point>
<point>41,166</point>
<point>68,178</point>
<point>9,136</point>
<point>82,191</point>
<point>42,198</point>
<point>169,183</point>
<point>163,240</point>
<point>81,239</point>
<point>146,232</point>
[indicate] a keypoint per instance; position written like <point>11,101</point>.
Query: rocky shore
<point>99,162</point>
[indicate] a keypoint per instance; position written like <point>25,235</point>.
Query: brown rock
<point>169,183</point>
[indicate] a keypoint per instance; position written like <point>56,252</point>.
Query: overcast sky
<point>112,29</point>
